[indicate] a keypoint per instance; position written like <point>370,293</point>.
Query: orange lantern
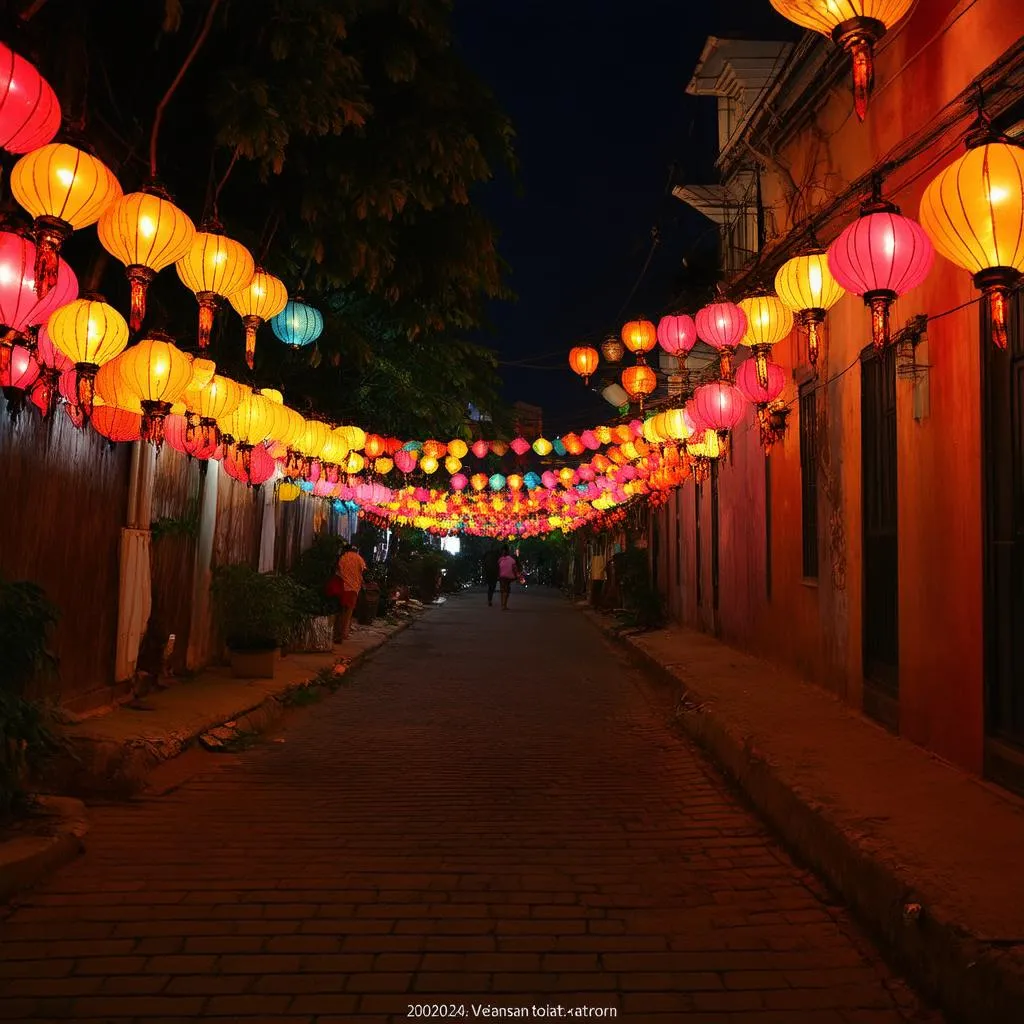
<point>639,336</point>
<point>260,300</point>
<point>639,382</point>
<point>157,373</point>
<point>583,360</point>
<point>374,446</point>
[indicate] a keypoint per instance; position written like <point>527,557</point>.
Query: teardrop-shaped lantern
<point>973,211</point>
<point>807,287</point>
<point>90,333</point>
<point>880,256</point>
<point>583,361</point>
<point>769,321</point>
<point>157,373</point>
<point>856,26</point>
<point>722,326</point>
<point>298,324</point>
<point>214,267</point>
<point>147,233</point>
<point>63,189</point>
<point>29,109</point>
<point>260,300</point>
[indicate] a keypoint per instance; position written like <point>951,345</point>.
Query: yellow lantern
<point>676,425</point>
<point>478,481</point>
<point>855,25</point>
<point>355,463</point>
<point>203,371</point>
<point>214,266</point>
<point>429,464</point>
<point>384,465</point>
<point>566,476</point>
<point>458,448</point>
<point>639,381</point>
<point>260,300</point>
<point>249,424</point>
<point>583,361</point>
<point>157,372</point>
<point>806,286</point>
<point>147,233</point>
<point>315,436</point>
<point>973,211</point>
<point>452,465</point>
<point>604,434</point>
<point>209,404</point>
<point>287,491</point>
<point>90,333</point>
<point>543,447</point>
<point>64,189</point>
<point>639,336</point>
<point>651,429</point>
<point>769,320</point>
<point>515,483</point>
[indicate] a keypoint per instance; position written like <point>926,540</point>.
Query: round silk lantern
<point>298,324</point>
<point>769,321</point>
<point>429,464</point>
<point>542,446</point>
<point>520,445</point>
<point>459,482</point>
<point>880,256</point>
<point>639,336</point>
<point>29,109</point>
<point>807,287</point>
<point>405,461</point>
<point>156,372</point>
<point>64,189</point>
<point>721,405</point>
<point>583,361</point>
<point>458,448</point>
<point>677,334</point>
<point>20,307</point>
<point>639,381</point>
<point>18,375</point>
<point>480,449</point>
<point>478,481</point>
<point>722,325</point>
<point>260,300</point>
<point>383,465</point>
<point>117,425</point>
<point>193,443</point>
<point>452,465</point>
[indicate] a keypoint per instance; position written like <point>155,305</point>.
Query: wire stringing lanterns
<point>880,256</point>
<point>64,189</point>
<point>855,25</point>
<point>973,211</point>
<point>298,324</point>
<point>147,233</point>
<point>807,287</point>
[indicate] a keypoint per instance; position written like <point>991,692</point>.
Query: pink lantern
<point>720,405</point>
<point>586,472</point>
<point>480,449</point>
<point>520,446</point>
<point>421,494</point>
<point>880,256</point>
<point>48,355</point>
<point>637,426</point>
<point>261,465</point>
<point>20,307</point>
<point>21,370</point>
<point>722,325</point>
<point>750,387</point>
<point>549,480</point>
<point>405,461</point>
<point>202,445</point>
<point>29,110</point>
<point>677,334</point>
<point>589,440</point>
<point>459,482</point>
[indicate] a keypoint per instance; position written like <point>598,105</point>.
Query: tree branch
<point>223,181</point>
<point>162,105</point>
<point>33,9</point>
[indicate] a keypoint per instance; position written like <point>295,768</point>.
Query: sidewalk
<point>927,856</point>
<point>115,752</point>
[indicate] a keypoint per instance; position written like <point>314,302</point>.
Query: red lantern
<point>480,449</point>
<point>520,446</point>
<point>751,388</point>
<point>392,446</point>
<point>116,425</point>
<point>202,444</point>
<point>252,467</point>
<point>29,110</point>
<point>374,446</point>
<point>18,375</point>
<point>720,405</point>
<point>880,256</point>
<point>722,325</point>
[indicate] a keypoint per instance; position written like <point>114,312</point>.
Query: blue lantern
<point>306,486</point>
<point>532,481</point>
<point>558,446</point>
<point>339,506</point>
<point>298,324</point>
<point>497,482</point>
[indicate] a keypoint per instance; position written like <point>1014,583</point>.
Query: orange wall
<point>816,628</point>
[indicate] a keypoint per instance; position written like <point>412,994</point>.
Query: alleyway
<point>492,814</point>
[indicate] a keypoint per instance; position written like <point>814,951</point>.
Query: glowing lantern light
<point>520,446</point>
<point>157,373</point>
<point>756,392</point>
<point>373,446</point>
<point>499,448</point>
<point>52,363</point>
<point>458,448</point>
<point>639,336</point>
<point>90,333</point>
<point>676,425</point>
<point>722,325</point>
<point>298,324</point>
<point>973,211</point>
<point>769,320</point>
<point>479,481</point>
<point>18,375</point>
<point>210,404</point>
<point>355,463</point>
<point>549,480</point>
<point>807,287</point>
<point>383,465</point>
<point>880,256</point>
<point>720,405</point>
<point>250,466</point>
<point>590,441</point>
<point>287,491</point>
<point>639,381</point>
<point>677,334</point>
<point>459,482</point>
<point>583,360</point>
<point>405,461</point>
<point>480,449</point>
<point>20,307</point>
<point>248,425</point>
<point>567,476</point>
<point>515,483</point>
<point>429,464</point>
<point>29,109</point>
<point>214,266</point>
<point>452,464</point>
<point>612,349</point>
<point>497,482</point>
<point>116,425</point>
<point>542,446</point>
<point>855,25</point>
<point>260,300</point>
<point>64,189</point>
<point>147,233</point>
<point>181,437</point>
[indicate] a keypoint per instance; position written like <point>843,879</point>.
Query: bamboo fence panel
<point>239,519</point>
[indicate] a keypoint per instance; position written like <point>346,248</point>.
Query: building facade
<point>878,549</point>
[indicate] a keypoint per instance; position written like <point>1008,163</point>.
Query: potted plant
<point>316,611</point>
<point>256,613</point>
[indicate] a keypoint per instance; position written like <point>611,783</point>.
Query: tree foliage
<point>342,141</point>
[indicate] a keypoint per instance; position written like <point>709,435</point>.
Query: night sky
<point>596,93</point>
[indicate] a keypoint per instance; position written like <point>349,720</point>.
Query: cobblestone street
<point>493,814</point>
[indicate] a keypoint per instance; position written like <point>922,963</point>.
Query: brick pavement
<point>494,813</point>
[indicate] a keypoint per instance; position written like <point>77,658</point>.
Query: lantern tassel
<point>812,342</point>
<point>85,388</point>
<point>207,309</point>
<point>863,58</point>
<point>153,416</point>
<point>139,279</point>
<point>726,372</point>
<point>879,305</point>
<point>761,366</point>
<point>51,233</point>
<point>252,325</point>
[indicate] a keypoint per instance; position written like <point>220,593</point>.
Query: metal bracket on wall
<point>912,364</point>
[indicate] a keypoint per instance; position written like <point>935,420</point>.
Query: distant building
<point>529,420</point>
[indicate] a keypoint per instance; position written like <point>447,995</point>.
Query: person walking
<point>598,576</point>
<point>350,568</point>
<point>490,562</point>
<point>508,570</point>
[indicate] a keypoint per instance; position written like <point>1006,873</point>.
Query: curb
<point>973,981</point>
<point>108,769</point>
<point>26,860</point>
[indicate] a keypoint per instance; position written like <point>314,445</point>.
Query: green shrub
<point>311,573</point>
<point>255,611</point>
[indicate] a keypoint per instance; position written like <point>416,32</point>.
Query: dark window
<point>768,527</point>
<point>809,477</point>
<point>714,534</point>
<point>679,542</point>
<point>698,561</point>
